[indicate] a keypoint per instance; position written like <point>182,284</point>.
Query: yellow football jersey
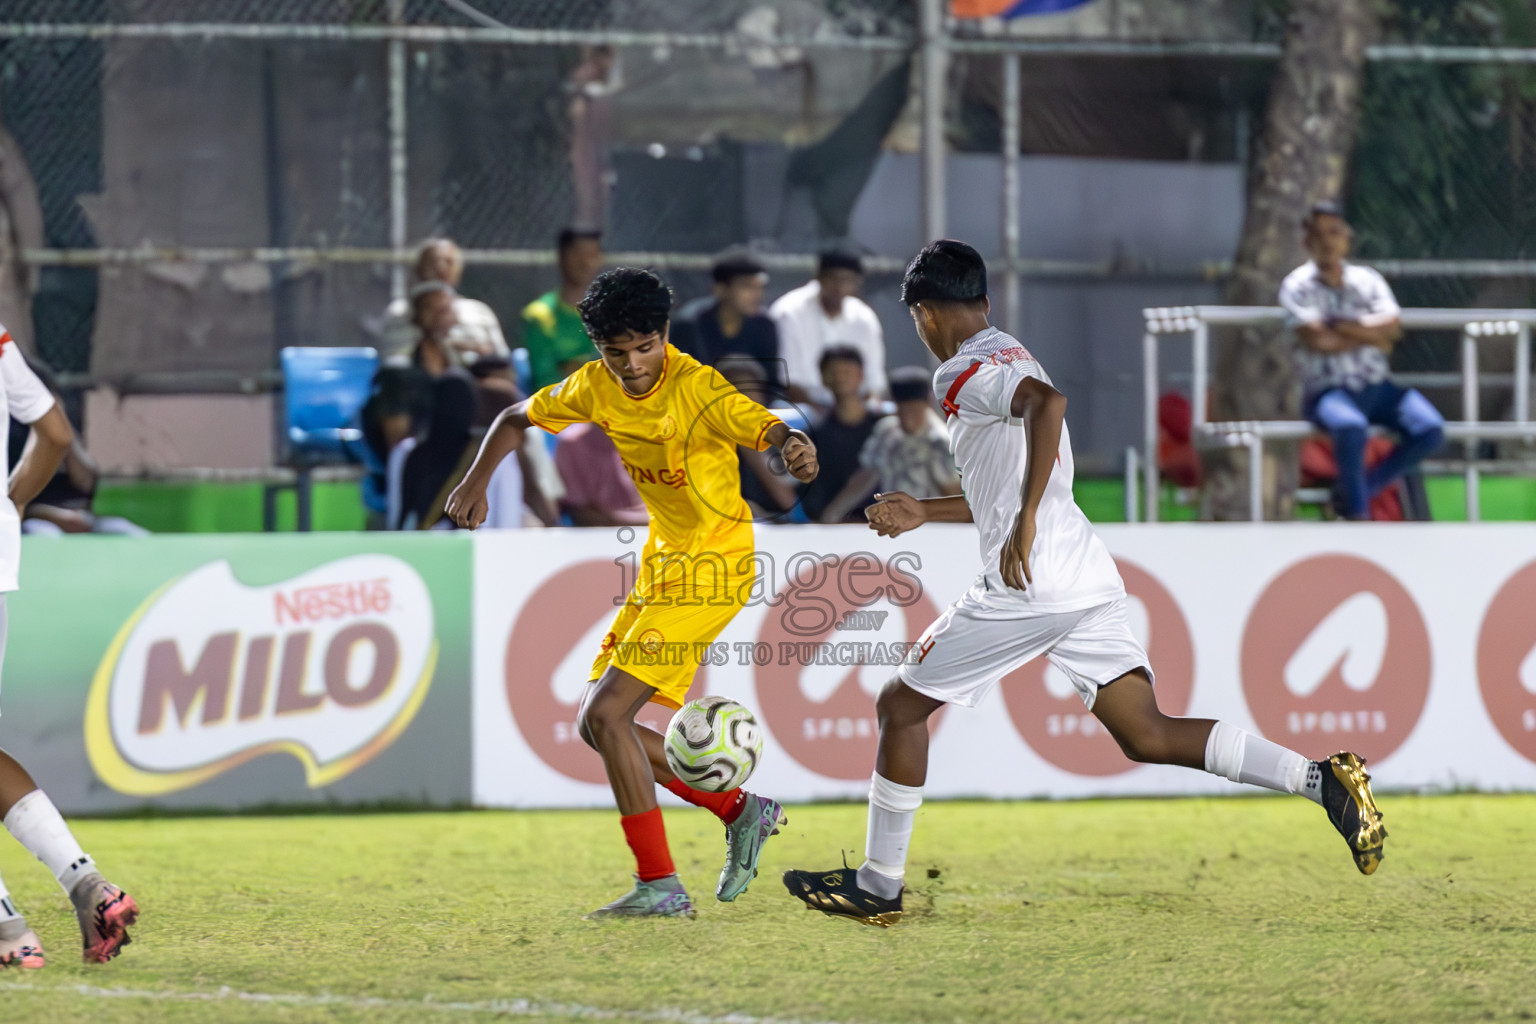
<point>678,443</point>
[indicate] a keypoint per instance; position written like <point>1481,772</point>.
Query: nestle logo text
<point>332,601</point>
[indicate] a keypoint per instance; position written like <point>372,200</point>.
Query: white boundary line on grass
<point>499,1007</point>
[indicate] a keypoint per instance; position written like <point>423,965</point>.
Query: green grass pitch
<point>1171,910</point>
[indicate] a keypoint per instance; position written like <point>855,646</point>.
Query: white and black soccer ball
<point>713,744</point>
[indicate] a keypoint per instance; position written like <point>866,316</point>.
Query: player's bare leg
<point>872,894</point>
<point>606,722</point>
<point>1128,709</point>
<point>903,753</point>
<point>750,820</point>
<point>103,910</point>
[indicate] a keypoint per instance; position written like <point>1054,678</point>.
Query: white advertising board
<point>1414,645</point>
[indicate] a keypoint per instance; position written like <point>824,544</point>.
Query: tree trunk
<point>1299,157</point>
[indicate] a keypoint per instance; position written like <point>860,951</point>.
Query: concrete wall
<point>1086,331</point>
<point>129,434</point>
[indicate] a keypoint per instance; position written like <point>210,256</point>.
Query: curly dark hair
<point>625,300</point>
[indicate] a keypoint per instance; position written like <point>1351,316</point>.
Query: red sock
<point>647,837</point>
<point>726,806</point>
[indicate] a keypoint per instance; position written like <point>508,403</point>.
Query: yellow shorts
<point>662,640</point>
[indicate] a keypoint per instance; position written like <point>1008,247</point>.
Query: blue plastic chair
<point>324,390</point>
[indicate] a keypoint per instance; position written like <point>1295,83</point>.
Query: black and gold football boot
<point>1352,809</point>
<point>836,893</point>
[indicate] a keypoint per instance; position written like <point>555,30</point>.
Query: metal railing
<point>932,37</point>
<point>1477,326</point>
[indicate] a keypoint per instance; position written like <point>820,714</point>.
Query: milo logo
<point>329,668</point>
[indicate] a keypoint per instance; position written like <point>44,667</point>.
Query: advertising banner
<point>239,671</point>
<point>1414,645</point>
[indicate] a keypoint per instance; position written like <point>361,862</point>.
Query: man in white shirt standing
<point>1346,322</point>
<point>1047,587</point>
<point>103,910</point>
<point>825,312</point>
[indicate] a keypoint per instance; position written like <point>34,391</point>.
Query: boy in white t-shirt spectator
<point>103,910</point>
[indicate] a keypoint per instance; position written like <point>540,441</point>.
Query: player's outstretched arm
<point>896,512</point>
<point>51,438</point>
<point>467,506</point>
<point>798,450</point>
<point>1043,410</point>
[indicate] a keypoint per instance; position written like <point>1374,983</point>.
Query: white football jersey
<point>23,396</point>
<point>1070,567</point>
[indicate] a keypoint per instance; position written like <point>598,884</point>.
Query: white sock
<point>7,905</point>
<point>38,826</point>
<point>12,924</point>
<point>1252,760</point>
<point>892,807</point>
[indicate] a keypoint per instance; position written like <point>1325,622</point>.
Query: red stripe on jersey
<point>5,339</point>
<point>950,408</point>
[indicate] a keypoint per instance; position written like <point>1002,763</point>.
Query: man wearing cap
<point>732,323</point>
<point>1346,322</point>
<point>824,312</point>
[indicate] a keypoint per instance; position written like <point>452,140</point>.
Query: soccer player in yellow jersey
<point>677,424</point>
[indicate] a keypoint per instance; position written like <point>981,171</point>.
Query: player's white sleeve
<point>1302,304</point>
<point>985,388</point>
<point>27,398</point>
<point>1384,307</point>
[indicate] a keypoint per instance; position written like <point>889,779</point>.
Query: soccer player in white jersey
<point>103,910</point>
<point>1048,586</point>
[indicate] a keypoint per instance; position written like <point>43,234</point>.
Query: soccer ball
<point>713,744</point>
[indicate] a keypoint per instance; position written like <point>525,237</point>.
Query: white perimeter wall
<point>1412,644</point>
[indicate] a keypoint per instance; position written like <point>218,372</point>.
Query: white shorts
<point>973,645</point>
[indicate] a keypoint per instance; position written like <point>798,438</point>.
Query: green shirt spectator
<point>557,343</point>
<point>552,331</point>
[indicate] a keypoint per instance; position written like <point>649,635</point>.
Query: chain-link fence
<point>196,182</point>
<point>190,184</point>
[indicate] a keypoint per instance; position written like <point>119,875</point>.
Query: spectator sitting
<point>425,464</point>
<point>840,434</point>
<point>733,322</point>
<point>397,407</point>
<point>768,491</point>
<point>476,333</point>
<point>495,389</point>
<point>1318,469</point>
<point>598,490</point>
<point>908,451</point>
<point>1346,320</point>
<point>64,505</point>
<point>552,331</point>
<point>826,312</point>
